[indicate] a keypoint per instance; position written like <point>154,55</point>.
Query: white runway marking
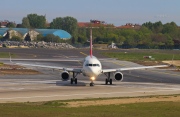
<point>89,94</point>
<point>48,87</point>
<point>97,83</point>
<point>35,90</point>
<point>30,82</point>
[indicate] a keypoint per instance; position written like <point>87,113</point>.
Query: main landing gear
<point>108,79</point>
<point>74,79</point>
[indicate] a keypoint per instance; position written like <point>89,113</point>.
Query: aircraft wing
<point>132,68</point>
<point>53,60</point>
<point>56,60</point>
<point>77,70</point>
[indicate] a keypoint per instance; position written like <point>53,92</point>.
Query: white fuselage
<point>91,67</point>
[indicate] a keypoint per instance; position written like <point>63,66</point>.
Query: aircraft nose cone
<point>95,72</point>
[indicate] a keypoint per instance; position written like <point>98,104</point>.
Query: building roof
<point>87,24</point>
<point>130,26</point>
<point>61,33</point>
<point>2,31</point>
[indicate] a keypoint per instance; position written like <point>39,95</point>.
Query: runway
<point>19,90</point>
<point>48,85</point>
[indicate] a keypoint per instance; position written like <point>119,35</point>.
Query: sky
<point>117,12</point>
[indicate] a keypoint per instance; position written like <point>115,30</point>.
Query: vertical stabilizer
<point>90,42</point>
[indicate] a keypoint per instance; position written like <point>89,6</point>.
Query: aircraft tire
<point>91,84</point>
<point>106,81</point>
<point>110,81</point>
<point>75,80</point>
<point>71,81</point>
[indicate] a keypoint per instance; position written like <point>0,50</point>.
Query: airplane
<point>91,68</point>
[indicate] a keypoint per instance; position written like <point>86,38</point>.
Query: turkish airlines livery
<point>91,68</point>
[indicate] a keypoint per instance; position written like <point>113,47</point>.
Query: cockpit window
<point>94,65</point>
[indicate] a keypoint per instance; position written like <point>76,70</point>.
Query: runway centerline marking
<point>79,63</point>
<point>83,53</point>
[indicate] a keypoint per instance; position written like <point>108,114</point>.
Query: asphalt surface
<point>48,85</point>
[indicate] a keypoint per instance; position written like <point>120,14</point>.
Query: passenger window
<point>90,64</point>
<point>94,64</point>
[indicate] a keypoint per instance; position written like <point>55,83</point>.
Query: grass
<point>1,64</point>
<point>61,109</point>
<point>56,109</point>
<point>139,56</point>
<point>6,55</point>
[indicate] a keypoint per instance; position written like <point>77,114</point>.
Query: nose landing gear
<point>91,84</point>
<point>92,79</point>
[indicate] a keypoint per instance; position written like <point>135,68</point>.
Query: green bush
<point>4,45</point>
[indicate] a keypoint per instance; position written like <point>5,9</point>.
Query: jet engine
<point>65,76</point>
<point>118,76</point>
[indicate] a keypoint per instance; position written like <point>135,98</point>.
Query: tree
<point>16,38</point>
<point>25,22</point>
<point>155,27</point>
<point>169,41</point>
<point>56,23</point>
<point>121,39</point>
<point>81,39</point>
<point>37,21</point>
<point>11,25</point>
<point>171,29</point>
<point>82,33</point>
<point>51,38</point>
<point>19,26</point>
<point>39,37</point>
<point>68,24</point>
<point>149,25</point>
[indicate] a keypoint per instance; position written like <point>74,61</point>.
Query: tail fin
<point>90,43</point>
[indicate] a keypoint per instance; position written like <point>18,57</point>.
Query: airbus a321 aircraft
<point>91,68</point>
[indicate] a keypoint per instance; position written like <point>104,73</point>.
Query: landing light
<point>93,78</point>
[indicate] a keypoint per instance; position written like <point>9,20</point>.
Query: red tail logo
<point>90,42</point>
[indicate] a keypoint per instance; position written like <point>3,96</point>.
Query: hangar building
<point>32,33</point>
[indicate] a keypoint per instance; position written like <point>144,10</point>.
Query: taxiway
<point>48,85</point>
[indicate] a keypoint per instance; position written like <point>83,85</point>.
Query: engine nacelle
<point>118,76</point>
<point>65,75</point>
